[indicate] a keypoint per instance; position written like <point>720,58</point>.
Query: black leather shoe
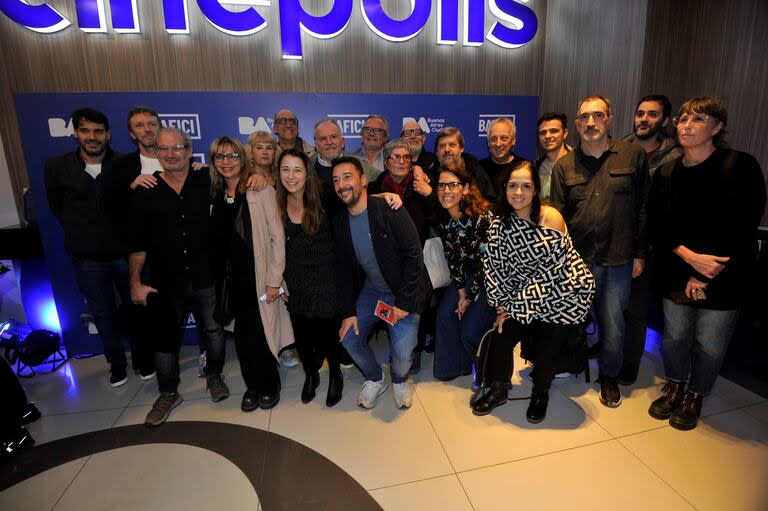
<point>335,388</point>
<point>16,442</point>
<point>537,409</point>
<point>31,414</point>
<point>610,395</point>
<point>686,416</point>
<point>250,401</point>
<point>671,396</point>
<point>311,381</point>
<point>269,400</point>
<point>497,396</point>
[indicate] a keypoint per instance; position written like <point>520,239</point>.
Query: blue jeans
<point>612,287</point>
<point>694,343</point>
<point>202,303</point>
<point>457,339</point>
<point>402,337</point>
<point>98,281</point>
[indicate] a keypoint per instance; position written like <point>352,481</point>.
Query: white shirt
<point>94,169</point>
<point>149,165</point>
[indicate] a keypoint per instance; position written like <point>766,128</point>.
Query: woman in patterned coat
<point>538,284</point>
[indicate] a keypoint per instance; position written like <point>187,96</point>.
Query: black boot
<point>671,396</point>
<point>311,382</point>
<point>537,409</point>
<point>687,414</point>
<point>335,388</point>
<point>497,396</point>
<point>18,440</point>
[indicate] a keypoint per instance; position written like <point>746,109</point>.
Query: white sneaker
<point>403,394</point>
<point>201,365</point>
<point>370,392</point>
<point>289,358</point>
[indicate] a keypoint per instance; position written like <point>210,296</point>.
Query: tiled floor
<point>435,456</point>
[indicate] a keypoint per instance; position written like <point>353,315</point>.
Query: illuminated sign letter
<point>474,21</point>
<point>393,30</point>
<point>522,18</point>
<point>233,23</point>
<point>447,21</point>
<point>125,16</point>
<point>176,16</point>
<point>294,20</point>
<point>90,16</point>
<point>40,18</point>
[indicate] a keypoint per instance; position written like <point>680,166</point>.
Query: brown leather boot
<point>686,416</point>
<point>671,396</point>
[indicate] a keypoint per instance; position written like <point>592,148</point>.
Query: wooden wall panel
<point>593,47</point>
<point>712,48</point>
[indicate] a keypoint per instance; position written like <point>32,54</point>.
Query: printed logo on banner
<point>199,157</point>
<point>58,127</point>
<point>189,322</point>
<point>349,124</point>
<point>188,123</point>
<point>428,124</point>
<point>483,120</point>
<point>248,125</point>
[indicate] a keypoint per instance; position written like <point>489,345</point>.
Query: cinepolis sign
<point>517,23</point>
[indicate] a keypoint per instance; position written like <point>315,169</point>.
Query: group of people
<point>308,246</point>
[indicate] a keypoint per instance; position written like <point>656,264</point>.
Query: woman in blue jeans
<point>463,314</point>
<point>704,210</point>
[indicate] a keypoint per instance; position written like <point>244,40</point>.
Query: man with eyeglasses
<point>502,136</point>
<point>373,135</point>
<point>601,189</point>
<point>415,138</point>
<point>649,131</point>
<point>74,183</point>
<point>172,236</point>
<point>329,142</point>
<point>286,127</point>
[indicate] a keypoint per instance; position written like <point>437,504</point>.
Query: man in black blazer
<point>380,274</point>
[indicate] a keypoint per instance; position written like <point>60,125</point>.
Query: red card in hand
<point>385,312</point>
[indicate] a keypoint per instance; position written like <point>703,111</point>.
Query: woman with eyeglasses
<point>704,211</point>
<point>463,314</point>
<point>311,291</point>
<point>539,285</point>
<point>263,149</point>
<point>250,245</point>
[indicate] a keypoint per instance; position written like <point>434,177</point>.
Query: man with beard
<point>449,147</point>
<point>286,127</point>
<point>601,189</point>
<point>551,132</point>
<point>330,145</point>
<point>374,134</point>
<point>378,260</point>
<point>502,136</point>
<point>74,183</point>
<point>649,132</point>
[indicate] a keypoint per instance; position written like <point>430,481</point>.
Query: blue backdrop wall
<point>45,126</point>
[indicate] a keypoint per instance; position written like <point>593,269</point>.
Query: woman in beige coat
<point>250,245</point>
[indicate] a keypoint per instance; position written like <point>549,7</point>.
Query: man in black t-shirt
<point>502,137</point>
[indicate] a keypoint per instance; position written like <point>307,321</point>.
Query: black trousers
<point>548,341</point>
<point>13,400</point>
<point>317,339</point>
<point>636,320</point>
<point>257,363</point>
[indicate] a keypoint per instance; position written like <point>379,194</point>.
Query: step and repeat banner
<point>46,131</point>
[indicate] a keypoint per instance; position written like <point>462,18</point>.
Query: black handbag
<point>223,313</point>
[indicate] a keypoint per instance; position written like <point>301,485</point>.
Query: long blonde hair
<point>217,182</point>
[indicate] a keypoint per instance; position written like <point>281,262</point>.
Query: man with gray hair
<point>374,135</point>
<point>330,145</point>
<point>449,148</point>
<point>172,236</point>
<point>502,136</point>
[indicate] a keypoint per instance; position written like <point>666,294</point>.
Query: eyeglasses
<point>409,133</point>
<point>177,148</point>
<point>287,121</point>
<point>693,119</point>
<point>373,131</point>
<point>599,116</point>
<point>228,156</point>
<point>452,186</point>
<point>405,158</point>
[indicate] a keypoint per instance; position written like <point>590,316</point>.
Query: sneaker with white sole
<point>370,392</point>
<point>118,376</point>
<point>403,394</point>
<point>289,358</point>
<point>162,408</point>
<point>201,362</point>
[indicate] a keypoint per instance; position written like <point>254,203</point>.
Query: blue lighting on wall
<point>50,316</point>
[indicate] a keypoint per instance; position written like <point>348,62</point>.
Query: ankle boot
<point>311,381</point>
<point>671,396</point>
<point>537,409</point>
<point>335,388</point>
<point>687,414</point>
<point>497,396</point>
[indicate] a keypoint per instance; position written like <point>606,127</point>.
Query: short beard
<point>653,131</point>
